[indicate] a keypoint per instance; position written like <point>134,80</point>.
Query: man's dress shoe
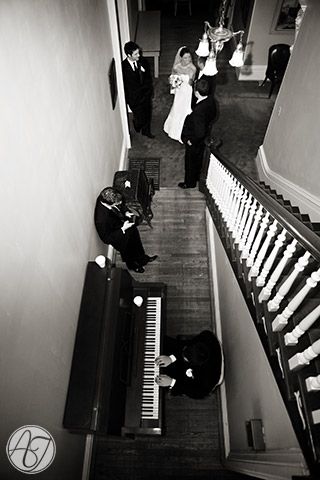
<point>152,259</point>
<point>183,185</point>
<point>136,127</point>
<point>149,135</point>
<point>138,269</point>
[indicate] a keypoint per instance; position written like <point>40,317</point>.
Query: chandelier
<point>212,43</point>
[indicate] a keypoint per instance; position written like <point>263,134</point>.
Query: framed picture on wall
<point>113,83</point>
<point>285,16</point>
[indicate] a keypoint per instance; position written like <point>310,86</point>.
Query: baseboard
<point>252,72</point>
<point>214,285</point>
<point>307,202</point>
<point>270,465</point>
<point>124,161</point>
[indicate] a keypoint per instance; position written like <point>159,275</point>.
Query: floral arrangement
<point>175,82</point>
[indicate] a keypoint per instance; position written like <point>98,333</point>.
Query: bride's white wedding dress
<point>181,106</point>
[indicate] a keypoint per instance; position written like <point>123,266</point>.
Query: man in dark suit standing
<point>192,367</point>
<point>195,129</point>
<point>138,88</point>
<point>211,79</point>
<point>115,226</point>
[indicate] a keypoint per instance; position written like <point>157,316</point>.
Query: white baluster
<point>274,303</point>
<point>254,270</point>
<point>235,208</point>
<point>282,318</point>
<point>258,239</point>
<point>214,179</point>
<point>300,410</point>
<point>223,192</point>
<point>313,383</point>
<point>269,262</point>
<point>235,191</point>
<point>244,218</point>
<point>315,414</point>
<point>246,230</point>
<point>210,178</point>
<point>301,359</point>
<point>249,242</point>
<point>240,213</point>
<point>266,291</point>
<point>231,195</point>
<point>292,338</point>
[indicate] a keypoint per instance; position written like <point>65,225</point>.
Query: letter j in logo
<point>31,449</point>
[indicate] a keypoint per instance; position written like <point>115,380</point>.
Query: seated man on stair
<point>114,224</point>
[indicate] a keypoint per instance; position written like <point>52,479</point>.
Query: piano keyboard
<point>150,390</point>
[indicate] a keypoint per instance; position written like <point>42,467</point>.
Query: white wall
<point>289,156</point>
<point>260,37</point>
<point>250,390</point>
<point>60,143</point>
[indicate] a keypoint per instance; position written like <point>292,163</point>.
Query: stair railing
<point>274,251</point>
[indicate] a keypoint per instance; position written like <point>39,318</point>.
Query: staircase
<point>274,250</point>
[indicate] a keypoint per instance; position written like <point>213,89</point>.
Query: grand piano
<point>111,388</point>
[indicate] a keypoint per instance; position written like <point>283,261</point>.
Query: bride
<point>181,107</point>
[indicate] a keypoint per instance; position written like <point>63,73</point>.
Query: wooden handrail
<point>306,237</point>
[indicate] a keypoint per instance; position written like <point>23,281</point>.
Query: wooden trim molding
<point>269,465</point>
<point>306,201</point>
<point>214,285</point>
<point>252,72</point>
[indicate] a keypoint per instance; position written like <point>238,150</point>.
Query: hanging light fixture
<point>237,57</point>
<point>210,67</point>
<point>213,40</point>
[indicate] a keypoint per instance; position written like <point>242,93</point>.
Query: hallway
<point>191,446</point>
<point>244,107</point>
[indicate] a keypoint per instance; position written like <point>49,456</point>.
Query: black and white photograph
<point>160,214</point>
<point>286,14</point>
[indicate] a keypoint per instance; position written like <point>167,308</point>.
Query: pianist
<point>193,367</point>
<point>115,226</point>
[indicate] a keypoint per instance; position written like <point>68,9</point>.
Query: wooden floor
<point>191,445</point>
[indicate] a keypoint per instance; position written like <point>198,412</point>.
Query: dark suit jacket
<point>138,86</point>
<point>205,377</point>
<point>108,224</point>
<point>211,79</point>
<point>196,125</point>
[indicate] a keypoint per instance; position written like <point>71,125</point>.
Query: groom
<point>195,129</point>
<point>138,88</point>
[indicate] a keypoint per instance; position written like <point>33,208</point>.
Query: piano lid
<point>101,358</point>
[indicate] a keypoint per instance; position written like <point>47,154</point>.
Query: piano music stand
<point>137,191</point>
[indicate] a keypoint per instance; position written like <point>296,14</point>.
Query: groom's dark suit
<point>212,81</point>
<point>138,90</point>
<point>195,129</point>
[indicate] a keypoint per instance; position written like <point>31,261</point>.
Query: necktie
<point>135,66</point>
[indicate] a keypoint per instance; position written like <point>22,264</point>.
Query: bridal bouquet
<point>175,82</point>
